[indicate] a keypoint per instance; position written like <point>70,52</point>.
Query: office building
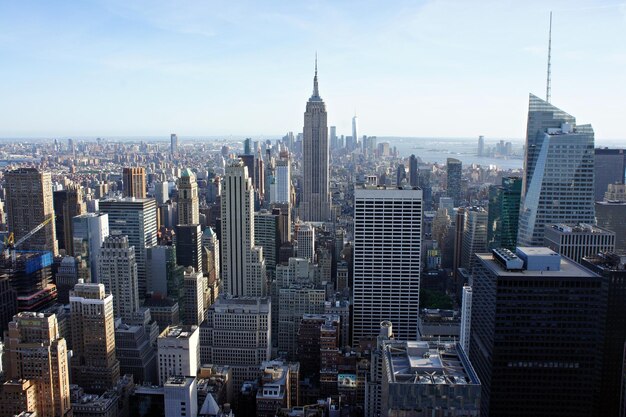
<point>135,353</point>
<point>419,379</point>
<point>413,171</point>
<point>266,235</point>
<point>161,192</point>
<point>315,203</point>
<point>211,251</point>
<point>481,146</point>
<point>612,269</point>
<point>178,352</point>
<point>67,204</point>
<point>305,235</point>
<point>174,144</point>
<point>95,367</point>
<point>282,188</point>
<point>18,396</point>
<point>134,182</point>
<point>89,232</point>
<point>135,218</point>
<point>66,278</point>
<point>30,279</point>
<point>275,390</point>
<point>295,301</point>
<point>189,246</point>
<point>611,212</point>
<point>243,265</point>
<point>8,304</point>
<point>166,276</point>
<point>28,202</point>
<point>117,270</point>
<point>318,346</point>
<point>34,351</point>
<point>237,333</point>
<point>355,135</point>
<point>466,318</point>
<point>547,366</point>
<point>503,213</point>
<point>609,168</point>
<point>188,204</point>
<point>474,235</point>
<point>558,184</point>
<point>578,241</point>
<point>386,260</point>
<point>181,396</point>
<point>193,306</point>
<point>454,177</point>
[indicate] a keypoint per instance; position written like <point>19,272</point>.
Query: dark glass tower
<point>455,170</point>
<point>504,202</point>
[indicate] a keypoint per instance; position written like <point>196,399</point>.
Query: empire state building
<point>315,204</point>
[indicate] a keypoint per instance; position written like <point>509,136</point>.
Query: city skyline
<point>150,70</point>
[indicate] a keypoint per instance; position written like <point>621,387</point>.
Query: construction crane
<point>9,241</point>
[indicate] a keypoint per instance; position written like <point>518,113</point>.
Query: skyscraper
<point>36,352</point>
<point>134,182</point>
<point>188,204</point>
<point>67,204</point>
<point>266,235</point>
<point>28,203</point>
<point>455,171</point>
<point>386,260</point>
<point>135,218</point>
<point>315,204</point>
<point>89,231</point>
<point>355,135</point>
<point>413,171</point>
<point>558,184</point>
<point>283,180</point>
<point>474,235</point>
<point>611,214</point>
<point>117,270</point>
<point>179,352</point>
<point>481,146</point>
<point>174,144</point>
<point>549,365</point>
<point>504,203</point>
<point>243,265</point>
<point>94,364</point>
<point>609,168</point>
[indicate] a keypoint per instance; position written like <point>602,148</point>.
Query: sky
<point>437,68</point>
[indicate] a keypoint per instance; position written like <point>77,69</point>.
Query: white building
<point>466,318</point>
<point>243,265</point>
<point>306,241</point>
<point>386,260</point>
<point>178,352</point>
<point>193,306</point>
<point>282,181</point>
<point>237,332</point>
<point>117,270</point>
<point>181,396</point>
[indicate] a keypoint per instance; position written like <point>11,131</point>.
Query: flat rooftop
<point>568,268</point>
<point>178,332</point>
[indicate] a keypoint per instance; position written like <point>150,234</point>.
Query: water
<point>463,149</point>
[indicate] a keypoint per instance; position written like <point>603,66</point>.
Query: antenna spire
<point>549,77</point>
<point>316,92</point>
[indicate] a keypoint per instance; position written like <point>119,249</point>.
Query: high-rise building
<point>188,204</point>
<point>454,175</point>
<point>135,352</point>
<point>413,171</point>
<point>266,235</point>
<point>474,235</point>
<point>481,146</point>
<point>282,180</point>
<point>28,203</point>
<point>333,138</point>
<point>117,270</point>
<point>89,231</point>
<point>466,318</point>
<point>504,204</point>
<point>135,218</point>
<point>166,276</point>
<point>67,204</point>
<point>548,365</point>
<point>386,260</point>
<point>611,213</point>
<point>558,183</point>
<point>237,332</point>
<point>305,235</point>
<point>178,352</point>
<point>578,241</point>
<point>612,269</point>
<point>189,245</point>
<point>30,278</point>
<point>609,168</point>
<point>400,174</point>
<point>174,144</point>
<point>193,311</point>
<point>315,203</point>
<point>66,278</point>
<point>355,135</point>
<point>211,245</point>
<point>181,396</point>
<point>243,265</point>
<point>161,192</point>
<point>94,364</point>
<point>134,182</point>
<point>36,352</point>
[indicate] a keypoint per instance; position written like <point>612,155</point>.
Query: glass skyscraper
<point>558,183</point>
<point>504,203</point>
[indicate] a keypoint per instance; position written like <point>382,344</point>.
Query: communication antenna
<point>549,78</point>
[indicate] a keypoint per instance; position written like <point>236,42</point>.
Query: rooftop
<point>567,268</point>
<point>577,228</point>
<point>178,332</point>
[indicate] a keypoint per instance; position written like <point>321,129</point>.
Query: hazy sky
<point>408,68</point>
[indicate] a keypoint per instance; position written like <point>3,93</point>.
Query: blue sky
<point>408,68</point>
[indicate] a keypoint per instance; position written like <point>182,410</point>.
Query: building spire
<point>549,77</point>
<point>316,92</point>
